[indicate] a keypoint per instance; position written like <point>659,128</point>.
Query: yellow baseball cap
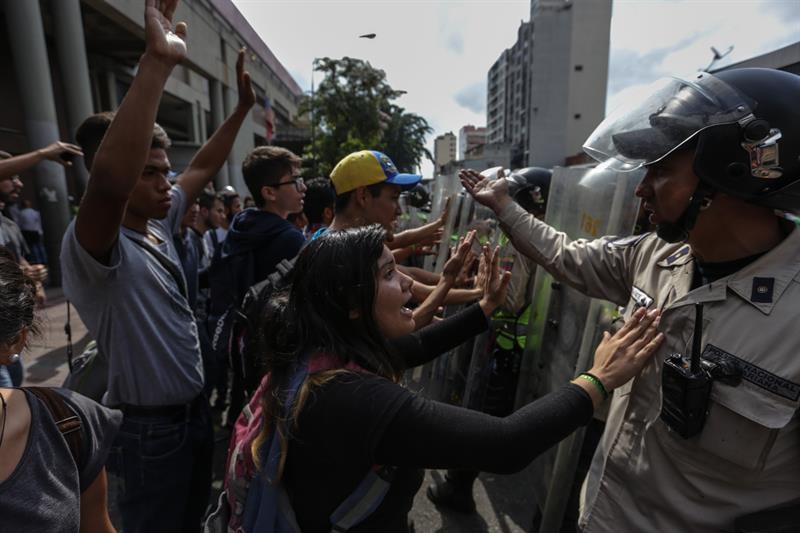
<point>368,167</point>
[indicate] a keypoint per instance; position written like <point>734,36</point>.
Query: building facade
<point>569,76</point>
<point>469,137</point>
<point>786,58</point>
<point>67,59</point>
<point>444,150</point>
<point>508,97</point>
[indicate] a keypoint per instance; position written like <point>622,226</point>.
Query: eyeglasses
<point>296,180</point>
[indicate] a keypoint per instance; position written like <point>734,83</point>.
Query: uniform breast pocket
<point>743,423</point>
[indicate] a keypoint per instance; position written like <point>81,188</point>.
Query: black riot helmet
<point>744,125</point>
<point>417,196</point>
<point>529,187</point>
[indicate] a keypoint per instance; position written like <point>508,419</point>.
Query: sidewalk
<point>45,359</point>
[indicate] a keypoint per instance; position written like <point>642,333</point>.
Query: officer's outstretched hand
<point>162,43</point>
<point>621,356</point>
<point>493,193</point>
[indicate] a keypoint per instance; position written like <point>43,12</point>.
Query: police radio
<point>686,386</point>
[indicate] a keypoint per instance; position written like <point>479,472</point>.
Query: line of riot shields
<point>550,334</point>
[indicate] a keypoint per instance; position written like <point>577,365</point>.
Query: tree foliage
<point>351,109</point>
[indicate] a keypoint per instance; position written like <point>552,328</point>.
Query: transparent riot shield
<point>565,325</point>
<point>445,378</point>
<point>445,188</point>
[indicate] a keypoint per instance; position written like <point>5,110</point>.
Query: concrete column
<point>217,117</point>
<point>32,69</point>
<point>198,122</point>
<point>111,89</point>
<point>74,66</point>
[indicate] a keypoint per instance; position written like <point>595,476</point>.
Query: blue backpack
<point>254,502</point>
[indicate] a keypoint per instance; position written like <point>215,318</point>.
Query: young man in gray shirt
<point>122,272</point>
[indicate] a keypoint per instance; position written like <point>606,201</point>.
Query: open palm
<point>162,41</point>
<point>489,192</point>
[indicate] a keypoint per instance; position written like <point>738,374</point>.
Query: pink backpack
<point>230,516</point>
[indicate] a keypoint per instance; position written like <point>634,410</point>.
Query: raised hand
<point>493,280</point>
<point>621,356</point>
<point>493,193</point>
<point>247,96</point>
<point>457,260</point>
<point>60,152</point>
<point>161,41</point>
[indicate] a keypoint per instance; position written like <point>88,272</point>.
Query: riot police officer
<point>706,437</point>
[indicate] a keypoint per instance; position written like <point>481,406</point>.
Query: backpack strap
<point>169,266</point>
<point>364,500</point>
<point>66,419</point>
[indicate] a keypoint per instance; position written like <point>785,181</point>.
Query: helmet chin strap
<point>678,231</point>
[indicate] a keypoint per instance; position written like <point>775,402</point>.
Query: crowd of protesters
<point>161,268</point>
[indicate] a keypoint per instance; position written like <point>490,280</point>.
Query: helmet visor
<point>672,112</point>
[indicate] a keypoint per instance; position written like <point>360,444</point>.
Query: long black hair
<point>328,308</point>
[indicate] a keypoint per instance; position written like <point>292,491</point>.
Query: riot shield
<point>430,378</point>
<point>565,325</point>
<point>445,378</point>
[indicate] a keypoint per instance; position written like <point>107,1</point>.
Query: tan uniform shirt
<point>644,476</point>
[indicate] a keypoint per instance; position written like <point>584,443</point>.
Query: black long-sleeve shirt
<point>357,420</point>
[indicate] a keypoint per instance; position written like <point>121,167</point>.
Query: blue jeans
<point>161,470</point>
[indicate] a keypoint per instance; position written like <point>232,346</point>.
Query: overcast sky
<point>440,51</point>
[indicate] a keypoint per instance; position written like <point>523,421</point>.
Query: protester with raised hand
<point>122,273</point>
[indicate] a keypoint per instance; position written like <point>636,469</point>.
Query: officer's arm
<point>122,155</point>
<point>213,154</point>
<point>592,267</point>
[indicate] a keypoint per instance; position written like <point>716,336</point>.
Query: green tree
<point>404,138</point>
<point>351,109</point>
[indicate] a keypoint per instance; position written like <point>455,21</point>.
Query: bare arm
<point>121,157</point>
<point>419,274</point>
<point>420,291</point>
<point>59,152</point>
<point>420,234</point>
<point>94,507</point>
<point>211,156</point>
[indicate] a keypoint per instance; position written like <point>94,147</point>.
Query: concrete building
<point>786,58</point>
<point>480,158</point>
<point>508,97</point>
<point>444,150</point>
<point>569,75</point>
<point>67,59</point>
<point>469,137</point>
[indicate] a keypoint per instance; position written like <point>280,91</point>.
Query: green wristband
<point>594,380</point>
